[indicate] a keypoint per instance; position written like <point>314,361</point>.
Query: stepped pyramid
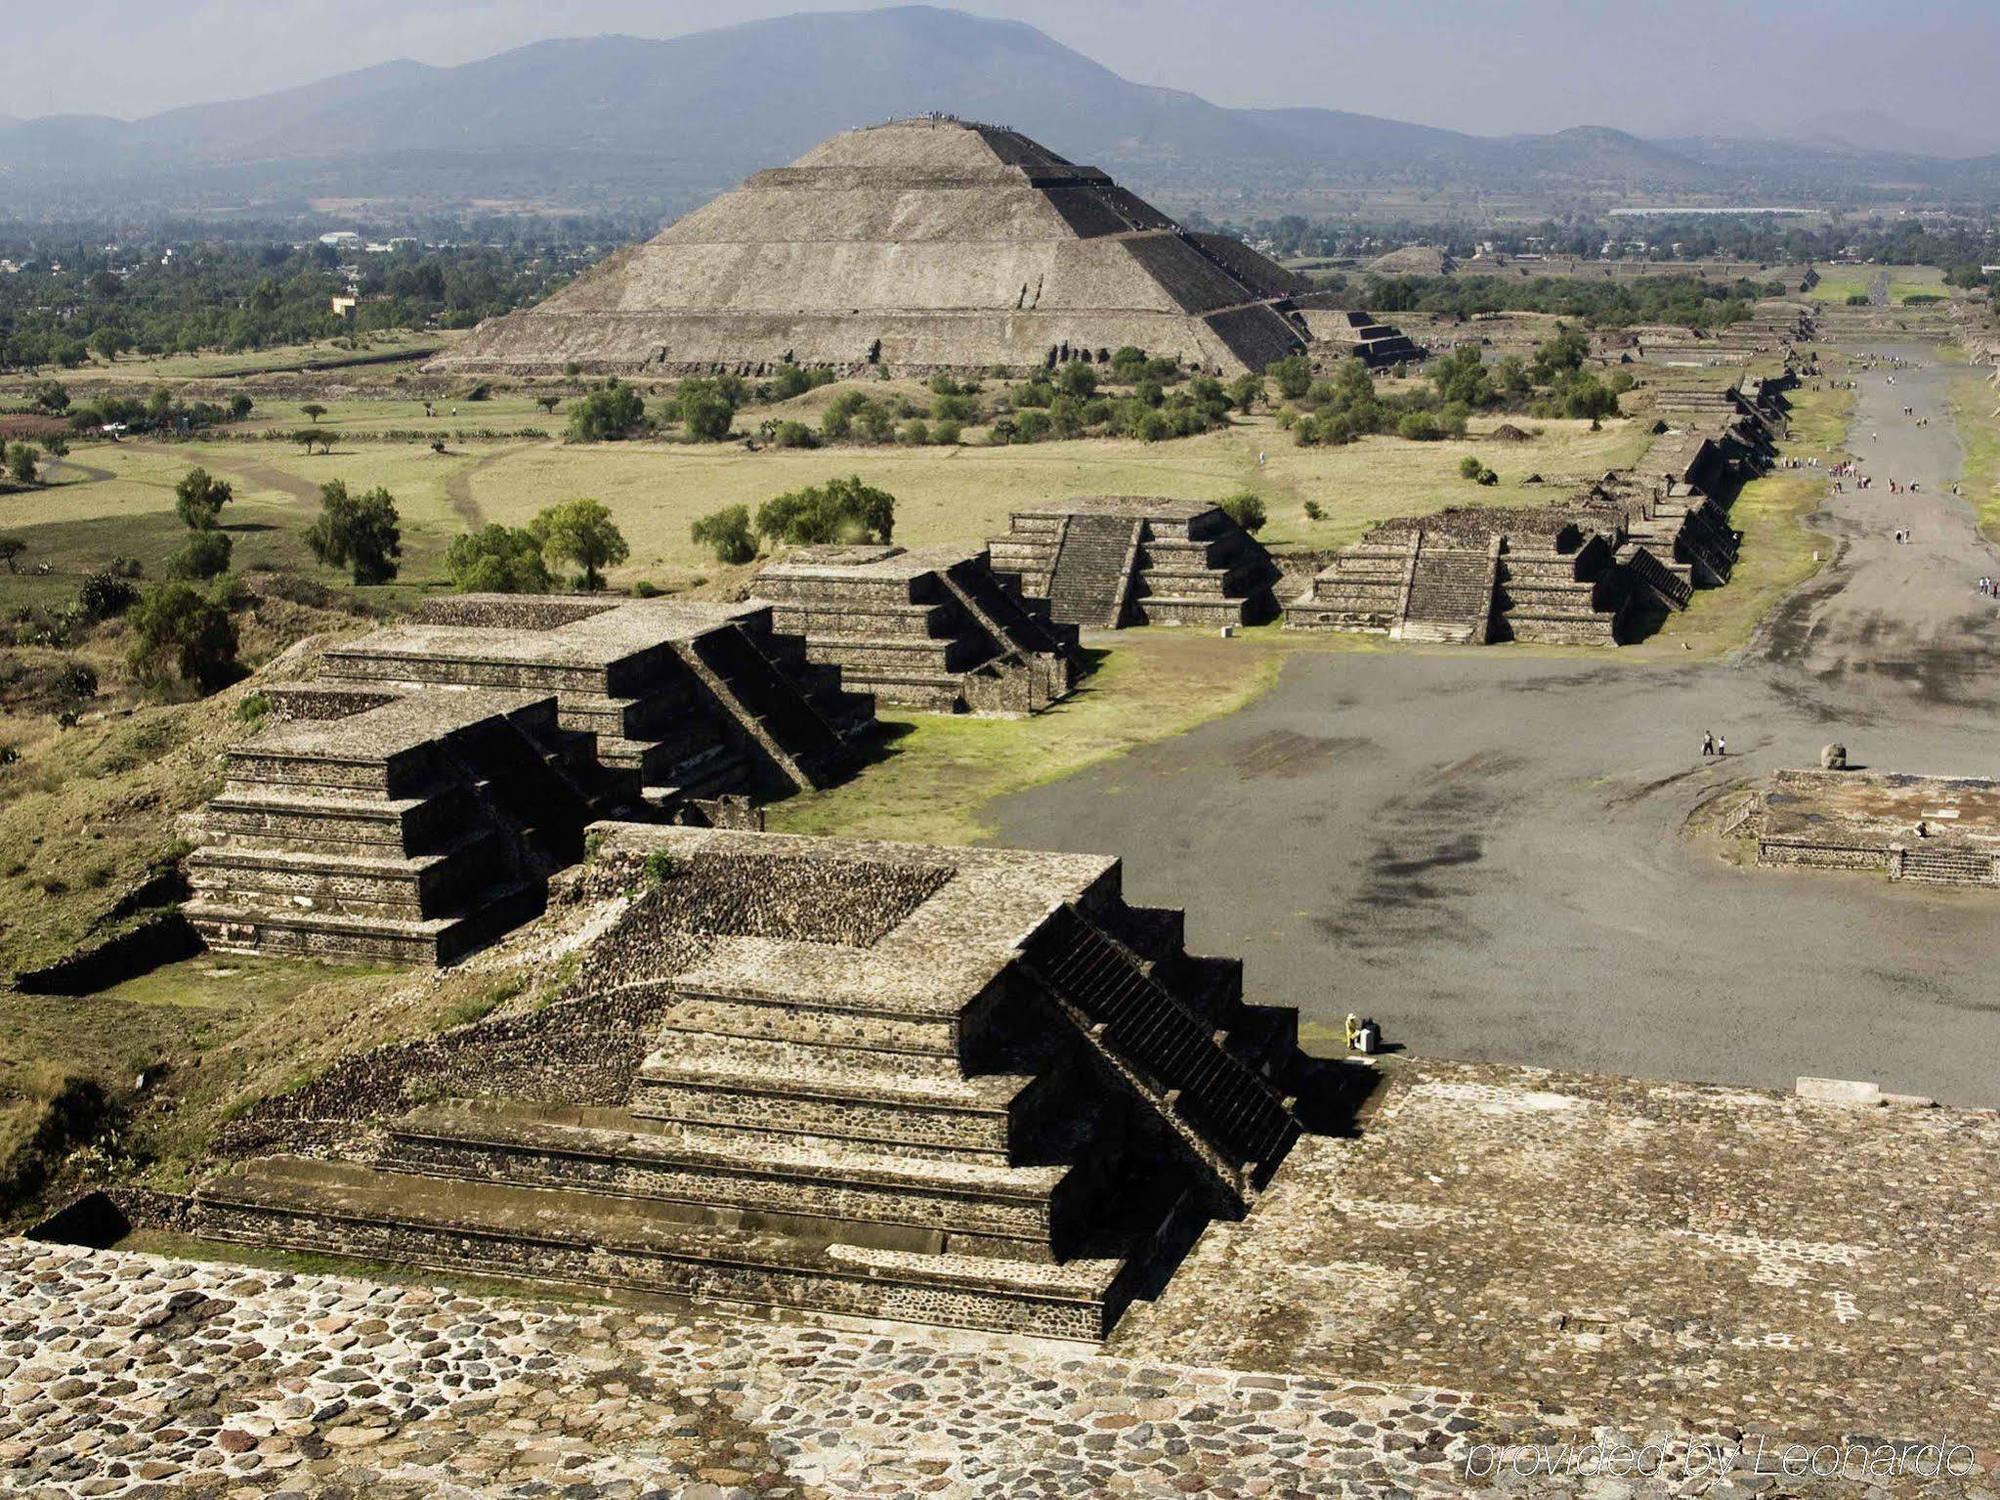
<point>973,1087</point>
<point>921,245</point>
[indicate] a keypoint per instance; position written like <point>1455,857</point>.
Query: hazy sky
<point>1490,66</point>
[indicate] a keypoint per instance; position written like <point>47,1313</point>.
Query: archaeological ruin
<point>1934,830</point>
<point>1615,555</point>
<point>915,247</point>
<point>1104,562</point>
<point>413,795</point>
<point>931,629</point>
<point>973,1087</point>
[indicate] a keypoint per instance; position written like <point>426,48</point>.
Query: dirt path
<point>1484,850</point>
<point>458,488</point>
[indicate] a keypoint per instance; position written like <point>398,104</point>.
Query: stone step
<point>772,1086</point>
<point>927,1041</point>
<point>401,825</point>
<point>660,1248</point>
<point>1020,1211</point>
<point>233,926</point>
<point>352,885</point>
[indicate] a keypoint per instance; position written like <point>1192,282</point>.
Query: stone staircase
<point>1451,595</point>
<point>1222,1107</point>
<point>1135,560</point>
<point>1093,571</point>
<point>1944,864</point>
<point>412,832</point>
<point>934,631</point>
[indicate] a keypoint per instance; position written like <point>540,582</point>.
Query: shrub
<point>22,465</point>
<point>916,432</point>
<point>727,532</point>
<point>793,435</point>
<point>1076,379</point>
<point>705,409</point>
<point>103,596</point>
<point>1315,511</point>
<point>841,510</point>
<point>1246,510</point>
<point>1469,467</point>
<point>945,434</point>
<point>254,709</point>
<point>497,560</point>
<point>795,380</point>
<point>646,589</point>
<point>203,555</point>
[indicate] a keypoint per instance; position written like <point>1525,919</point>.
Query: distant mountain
<point>659,126</point>
<point>1870,130</point>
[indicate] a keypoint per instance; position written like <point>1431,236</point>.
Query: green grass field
<point>118,497</point>
<point>1973,406</point>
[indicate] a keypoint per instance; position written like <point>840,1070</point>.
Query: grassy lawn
<point>118,497</point>
<point>935,774</point>
<point>217,365</point>
<point>1972,407</point>
<point>1778,545</point>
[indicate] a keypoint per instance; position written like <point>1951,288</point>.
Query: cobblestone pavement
<point>1506,1261</point>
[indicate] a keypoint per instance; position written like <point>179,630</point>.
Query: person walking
<point>1707,743</point>
<point>1721,747</point>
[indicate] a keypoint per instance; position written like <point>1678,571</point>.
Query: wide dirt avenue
<point>1485,849</point>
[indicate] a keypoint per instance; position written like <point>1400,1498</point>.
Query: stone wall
<point>849,902</point>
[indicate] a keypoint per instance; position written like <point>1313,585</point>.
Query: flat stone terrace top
<point>587,640</point>
<point>887,563</point>
<point>1149,507</point>
<point>928,928</point>
<point>1643,1256</point>
<point>394,728</point>
<point>1885,806</point>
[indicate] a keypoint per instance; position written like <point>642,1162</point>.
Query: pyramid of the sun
<point>922,245</point>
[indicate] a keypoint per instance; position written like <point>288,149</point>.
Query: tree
<point>182,632</point>
<point>21,465</point>
<point>498,560</point>
<point>11,548</point>
<point>314,411</point>
<point>613,410</point>
<point>239,406</point>
<point>1245,391</point>
<point>199,498</point>
<point>548,403</point>
<point>50,397</point>
<point>1246,510</point>
<point>108,343</point>
<point>1560,354</point>
<point>728,532</point>
<point>582,532</point>
<point>360,534</point>
<point>309,439</point>
<point>841,510</point>
<point>1078,380</point>
<point>203,555</point>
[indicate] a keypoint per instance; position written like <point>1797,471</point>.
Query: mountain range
<point>620,123</point>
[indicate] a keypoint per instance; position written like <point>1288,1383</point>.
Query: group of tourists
<point>1713,745</point>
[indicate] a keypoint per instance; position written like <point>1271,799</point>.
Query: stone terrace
<point>1107,561</point>
<point>687,700</point>
<point>932,629</point>
<point>1502,1260</point>
<point>1641,1256</point>
<point>959,1086</point>
<point>1869,820</point>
